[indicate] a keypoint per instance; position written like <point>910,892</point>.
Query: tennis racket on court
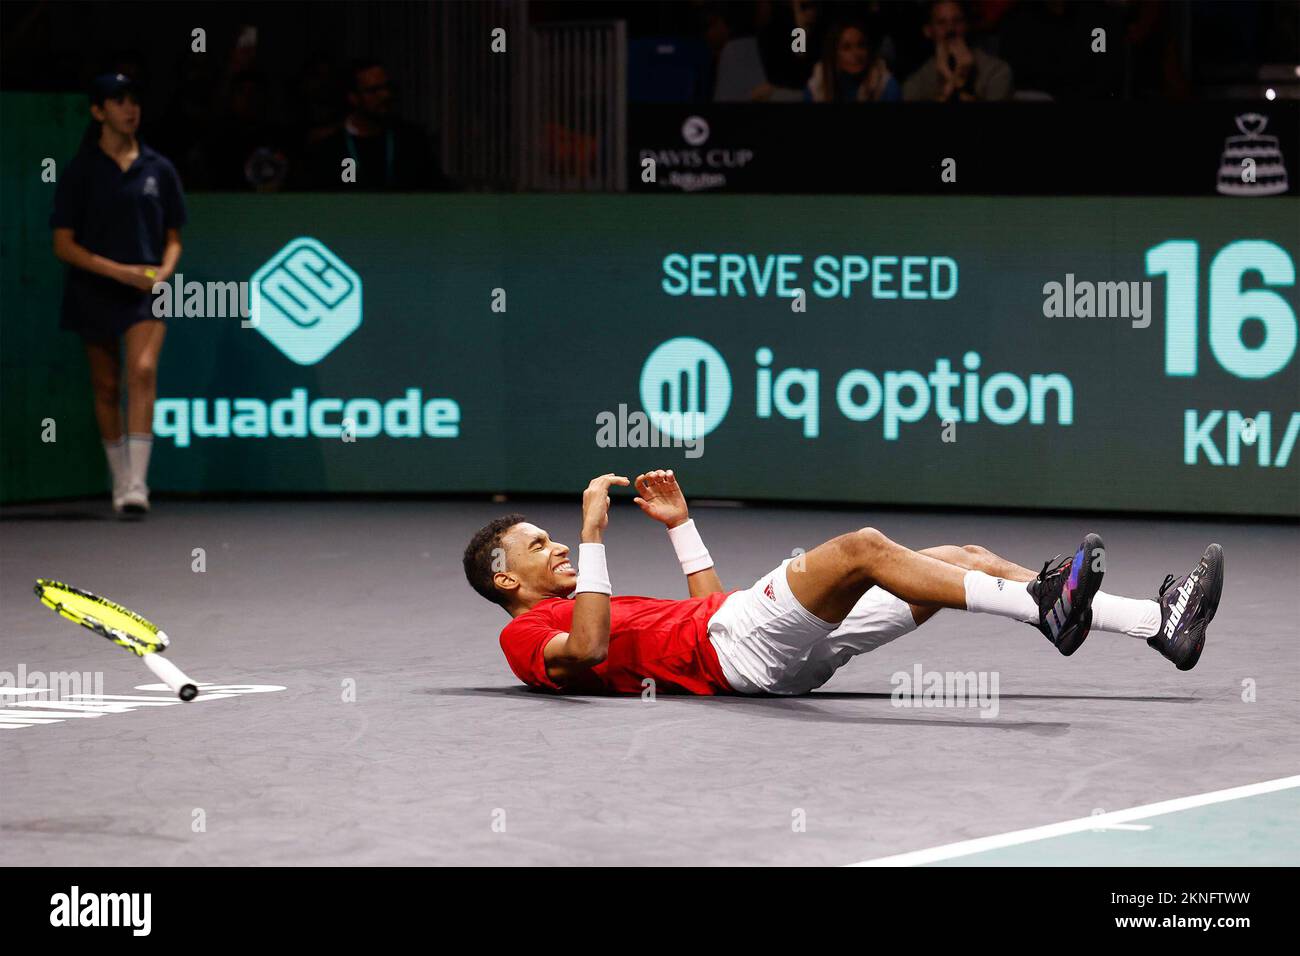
<point>120,625</point>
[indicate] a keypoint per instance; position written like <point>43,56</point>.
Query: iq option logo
<point>306,300</point>
<point>686,392</point>
<point>685,388</point>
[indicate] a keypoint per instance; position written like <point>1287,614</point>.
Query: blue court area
<point>1262,830</point>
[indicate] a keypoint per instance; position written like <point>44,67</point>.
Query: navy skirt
<point>100,309</point>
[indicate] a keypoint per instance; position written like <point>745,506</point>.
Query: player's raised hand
<point>595,505</point>
<point>660,497</point>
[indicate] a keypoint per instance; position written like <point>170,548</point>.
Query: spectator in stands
<point>956,73</point>
<point>247,150</point>
<point>786,68</point>
<point>766,67</point>
<point>848,72</point>
<point>185,127</point>
<point>389,154</point>
<point>316,100</point>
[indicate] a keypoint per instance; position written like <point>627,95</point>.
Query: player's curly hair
<point>480,553</point>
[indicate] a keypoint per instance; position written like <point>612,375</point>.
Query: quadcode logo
<point>305,300</point>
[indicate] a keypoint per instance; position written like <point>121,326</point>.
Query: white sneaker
<point>136,500</point>
<point>120,491</point>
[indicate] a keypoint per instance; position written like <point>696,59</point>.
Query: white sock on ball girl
<point>115,452</point>
<point>138,449</point>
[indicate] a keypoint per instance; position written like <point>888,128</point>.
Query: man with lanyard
<point>385,153</point>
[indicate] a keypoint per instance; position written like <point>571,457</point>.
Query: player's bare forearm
<point>588,642</point>
<point>703,582</point>
<point>68,250</point>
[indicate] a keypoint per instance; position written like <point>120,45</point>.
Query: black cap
<point>111,86</point>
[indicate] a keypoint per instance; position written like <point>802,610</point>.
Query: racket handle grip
<point>172,676</point>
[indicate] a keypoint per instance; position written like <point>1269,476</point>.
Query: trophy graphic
<point>1251,164</point>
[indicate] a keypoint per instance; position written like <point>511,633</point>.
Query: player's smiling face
<point>541,566</point>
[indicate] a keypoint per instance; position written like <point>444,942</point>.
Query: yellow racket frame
<point>107,618</point>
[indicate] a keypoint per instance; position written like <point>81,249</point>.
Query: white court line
<point>1100,821</point>
<point>1127,826</point>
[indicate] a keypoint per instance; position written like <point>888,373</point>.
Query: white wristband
<point>593,575</point>
<point>690,548</point>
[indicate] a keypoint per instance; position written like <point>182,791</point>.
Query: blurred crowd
<point>936,50</point>
<point>235,120</point>
<point>236,126</point>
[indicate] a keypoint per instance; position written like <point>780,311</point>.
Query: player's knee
<point>144,374</point>
<point>868,541</point>
<point>975,558</point>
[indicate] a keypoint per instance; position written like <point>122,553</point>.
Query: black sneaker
<point>1187,606</point>
<point>1064,590</point>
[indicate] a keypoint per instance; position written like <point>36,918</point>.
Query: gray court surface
<point>443,758</point>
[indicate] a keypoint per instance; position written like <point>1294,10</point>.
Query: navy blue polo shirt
<point>123,216</point>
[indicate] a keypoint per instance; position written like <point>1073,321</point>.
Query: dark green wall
<point>592,293</point>
<point>42,369</point>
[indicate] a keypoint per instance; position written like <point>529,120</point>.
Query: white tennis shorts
<point>768,643</point>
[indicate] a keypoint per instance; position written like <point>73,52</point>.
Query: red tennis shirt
<point>666,641</point>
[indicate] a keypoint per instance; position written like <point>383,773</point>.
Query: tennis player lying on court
<point>799,623</point>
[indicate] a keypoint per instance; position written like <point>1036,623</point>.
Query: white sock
<point>1137,618</point>
<point>115,452</point>
<point>989,595</point>
<point>138,448</point>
